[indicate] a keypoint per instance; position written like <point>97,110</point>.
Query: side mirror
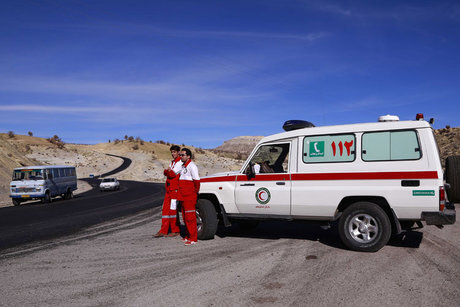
<point>250,171</point>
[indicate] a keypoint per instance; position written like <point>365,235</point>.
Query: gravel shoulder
<point>278,263</point>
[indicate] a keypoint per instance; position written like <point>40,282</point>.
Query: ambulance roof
<point>362,127</point>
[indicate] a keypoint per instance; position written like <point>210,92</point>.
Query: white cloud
<point>143,29</point>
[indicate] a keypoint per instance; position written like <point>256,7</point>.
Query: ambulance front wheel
<point>364,227</point>
<point>206,219</point>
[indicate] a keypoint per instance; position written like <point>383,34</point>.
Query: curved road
<point>34,221</point>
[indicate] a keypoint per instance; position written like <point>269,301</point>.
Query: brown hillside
<point>448,140</point>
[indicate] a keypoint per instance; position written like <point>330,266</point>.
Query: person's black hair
<point>187,151</point>
<point>174,147</point>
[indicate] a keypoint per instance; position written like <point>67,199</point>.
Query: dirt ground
<point>278,264</point>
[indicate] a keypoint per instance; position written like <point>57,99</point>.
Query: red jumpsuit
<point>189,186</point>
<point>168,215</point>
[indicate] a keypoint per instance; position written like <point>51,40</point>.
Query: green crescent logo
<point>263,196</point>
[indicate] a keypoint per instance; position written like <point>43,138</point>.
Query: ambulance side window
<point>390,146</point>
<point>329,148</point>
<point>271,159</point>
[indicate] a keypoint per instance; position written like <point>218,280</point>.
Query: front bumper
<point>108,187</point>
<point>446,217</point>
<point>28,195</point>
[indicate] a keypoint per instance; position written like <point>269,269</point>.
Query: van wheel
<point>364,227</point>
<point>47,198</point>
<point>16,202</point>
<point>68,194</point>
<point>453,178</point>
<point>206,219</point>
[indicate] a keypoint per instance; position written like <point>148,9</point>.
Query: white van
<point>42,182</point>
<point>374,179</point>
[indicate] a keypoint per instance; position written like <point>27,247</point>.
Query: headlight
<point>13,190</point>
<point>38,189</point>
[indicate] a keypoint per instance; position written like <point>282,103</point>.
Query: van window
<point>55,173</point>
<point>390,146</point>
<point>28,174</point>
<point>329,148</point>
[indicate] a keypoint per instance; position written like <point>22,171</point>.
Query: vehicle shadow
<point>309,230</point>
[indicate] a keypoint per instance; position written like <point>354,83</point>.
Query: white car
<point>109,184</point>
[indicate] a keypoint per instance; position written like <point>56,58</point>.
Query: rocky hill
<point>448,140</point>
<point>239,147</point>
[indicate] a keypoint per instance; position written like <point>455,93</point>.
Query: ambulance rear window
<point>390,146</point>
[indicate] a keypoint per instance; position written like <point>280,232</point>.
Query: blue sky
<point>202,72</point>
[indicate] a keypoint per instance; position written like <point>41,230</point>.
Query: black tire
<point>364,227</point>
<point>247,225</point>
<point>16,202</point>
<point>47,198</point>
<point>68,194</point>
<point>206,217</point>
<point>453,178</point>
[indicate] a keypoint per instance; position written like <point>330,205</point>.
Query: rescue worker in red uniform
<point>189,186</point>
<point>168,215</point>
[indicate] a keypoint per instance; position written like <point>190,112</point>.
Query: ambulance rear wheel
<point>364,227</point>
<point>206,218</point>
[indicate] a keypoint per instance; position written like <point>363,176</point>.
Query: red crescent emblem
<point>260,195</point>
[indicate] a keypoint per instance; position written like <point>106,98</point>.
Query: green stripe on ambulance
<point>423,193</point>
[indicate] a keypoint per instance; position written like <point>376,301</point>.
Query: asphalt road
<point>106,255</point>
<point>34,221</point>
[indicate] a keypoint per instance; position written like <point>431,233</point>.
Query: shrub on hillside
<point>136,147</point>
<point>56,141</point>
<point>10,134</point>
<point>30,133</point>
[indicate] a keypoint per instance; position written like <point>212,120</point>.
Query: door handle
<point>247,185</point>
<point>281,183</point>
<point>410,183</point>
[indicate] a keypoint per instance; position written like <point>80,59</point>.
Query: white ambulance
<point>372,179</point>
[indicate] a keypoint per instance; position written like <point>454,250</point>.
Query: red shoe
<point>188,243</point>
<point>159,235</point>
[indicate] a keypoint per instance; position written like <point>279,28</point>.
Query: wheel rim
<point>199,221</point>
<point>363,228</point>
